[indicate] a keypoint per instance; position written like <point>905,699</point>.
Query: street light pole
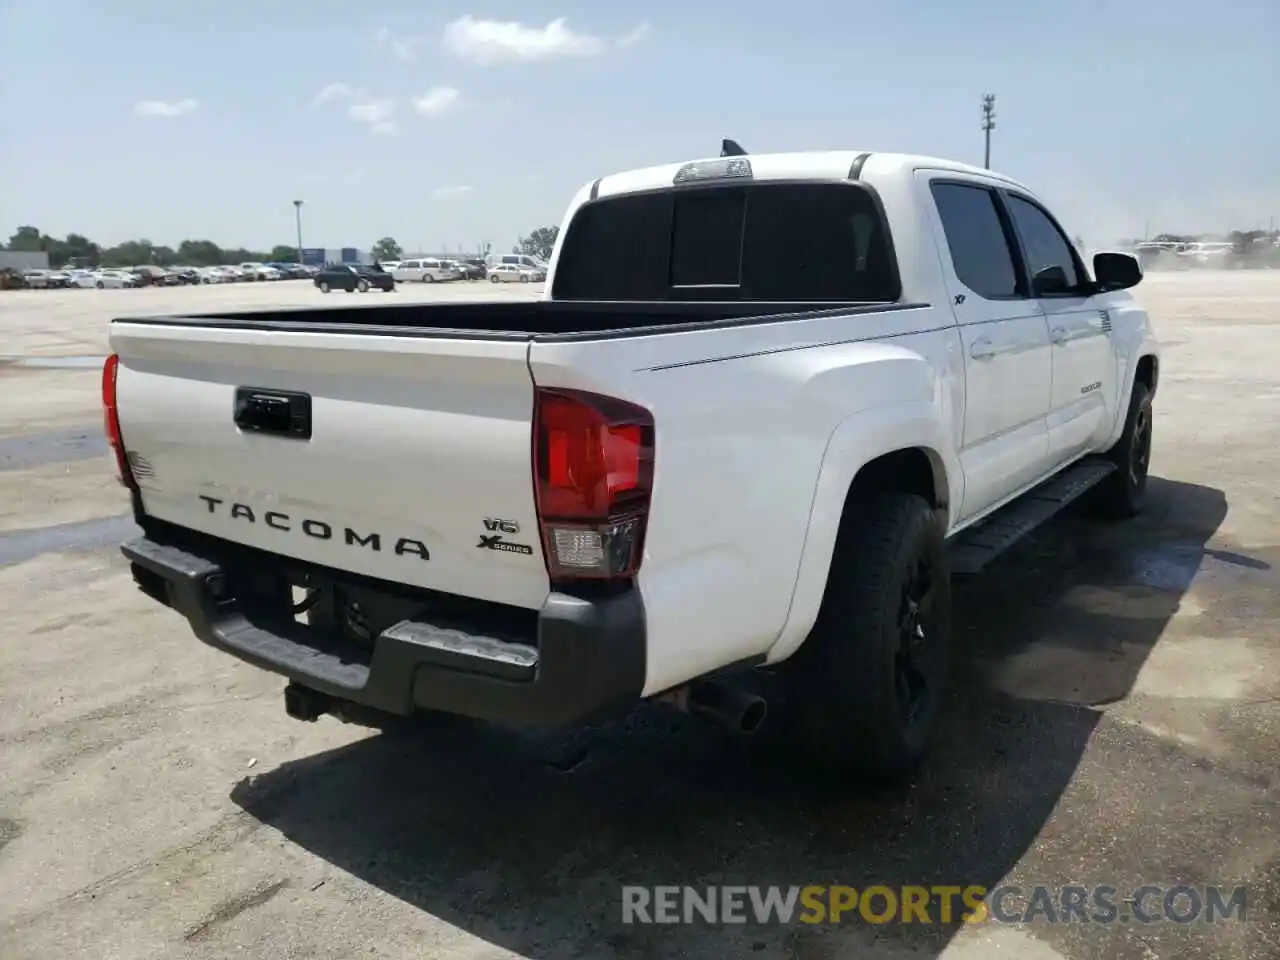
<point>988,124</point>
<point>297,216</point>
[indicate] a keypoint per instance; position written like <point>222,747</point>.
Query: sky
<point>447,127</point>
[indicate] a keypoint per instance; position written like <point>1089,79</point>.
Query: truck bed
<point>521,320</point>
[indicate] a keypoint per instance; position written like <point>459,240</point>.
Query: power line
<point>988,124</point>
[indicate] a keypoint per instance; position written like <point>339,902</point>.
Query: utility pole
<point>297,216</point>
<point>988,124</point>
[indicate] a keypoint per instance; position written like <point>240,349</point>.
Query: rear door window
<point>977,240</point>
<point>806,242</point>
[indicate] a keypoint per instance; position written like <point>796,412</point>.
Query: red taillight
<point>593,469</point>
<point>111,421</point>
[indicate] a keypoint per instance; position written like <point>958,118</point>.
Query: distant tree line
<point>132,253</point>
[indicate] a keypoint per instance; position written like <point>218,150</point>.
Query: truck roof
<point>813,165</point>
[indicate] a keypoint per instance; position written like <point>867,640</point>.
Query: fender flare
<point>1145,346</point>
<point>855,442</point>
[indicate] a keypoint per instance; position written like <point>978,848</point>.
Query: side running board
<point>973,549</point>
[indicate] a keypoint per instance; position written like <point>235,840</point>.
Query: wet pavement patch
<point>9,830</point>
<point>26,450</point>
<point>20,546</point>
<point>73,362</point>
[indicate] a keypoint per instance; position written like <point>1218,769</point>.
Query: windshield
<point>763,241</point>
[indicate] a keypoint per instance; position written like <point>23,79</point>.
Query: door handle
<point>982,349</point>
<point>1058,335</point>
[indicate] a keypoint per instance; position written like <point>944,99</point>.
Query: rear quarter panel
<point>754,423</point>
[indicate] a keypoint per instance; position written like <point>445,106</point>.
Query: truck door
<point>1082,404</point>
<point>1005,340</point>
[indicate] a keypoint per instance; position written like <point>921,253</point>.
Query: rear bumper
<point>586,659</point>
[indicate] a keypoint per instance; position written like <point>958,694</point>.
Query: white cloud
<point>450,193</point>
<point>496,41</point>
<point>436,102</point>
<point>330,92</point>
<point>377,115</point>
<point>401,47</point>
<point>165,108</point>
<point>637,34</point>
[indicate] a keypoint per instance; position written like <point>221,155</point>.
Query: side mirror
<point>1113,270</point>
<point>1049,282</point>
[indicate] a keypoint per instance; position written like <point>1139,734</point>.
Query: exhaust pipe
<point>733,709</point>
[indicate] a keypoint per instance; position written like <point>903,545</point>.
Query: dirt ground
<point>1115,721</point>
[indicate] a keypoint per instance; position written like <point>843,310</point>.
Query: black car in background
<point>290,271</point>
<point>473,269</point>
<point>152,276</point>
<point>354,276</point>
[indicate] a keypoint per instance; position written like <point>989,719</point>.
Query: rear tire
<point>493,278</point>
<point>324,287</point>
<point>363,286</point>
<point>864,692</point>
<point>1123,494</point>
<point>428,278</point>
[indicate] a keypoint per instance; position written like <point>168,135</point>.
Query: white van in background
<point>518,260</point>
<point>423,271</point>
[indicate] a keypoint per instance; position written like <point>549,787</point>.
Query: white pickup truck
<point>768,406</point>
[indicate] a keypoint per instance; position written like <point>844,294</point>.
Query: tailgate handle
<point>281,413</point>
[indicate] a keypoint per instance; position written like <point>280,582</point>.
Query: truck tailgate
<point>417,469</point>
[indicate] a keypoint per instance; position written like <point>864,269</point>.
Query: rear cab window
<point>763,241</point>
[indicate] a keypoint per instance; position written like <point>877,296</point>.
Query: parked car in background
<point>519,260</point>
<point>11,279</point>
<point>115,280</point>
<point>152,276</point>
<point>513,273</point>
<point>260,271</point>
<point>186,275</point>
<point>353,277</point>
<point>289,271</point>
<point>83,279</point>
<point>474,269</point>
<point>423,271</point>
<point>45,279</point>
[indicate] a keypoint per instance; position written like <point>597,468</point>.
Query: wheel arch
<point>875,452</point>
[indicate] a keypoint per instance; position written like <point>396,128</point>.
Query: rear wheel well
<point>1148,372</point>
<point>913,470</point>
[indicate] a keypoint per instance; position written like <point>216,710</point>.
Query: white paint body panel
<point>760,429</point>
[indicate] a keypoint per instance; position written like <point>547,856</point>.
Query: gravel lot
<point>1115,721</point>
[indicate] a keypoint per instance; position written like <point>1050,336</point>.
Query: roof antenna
<point>731,148</point>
